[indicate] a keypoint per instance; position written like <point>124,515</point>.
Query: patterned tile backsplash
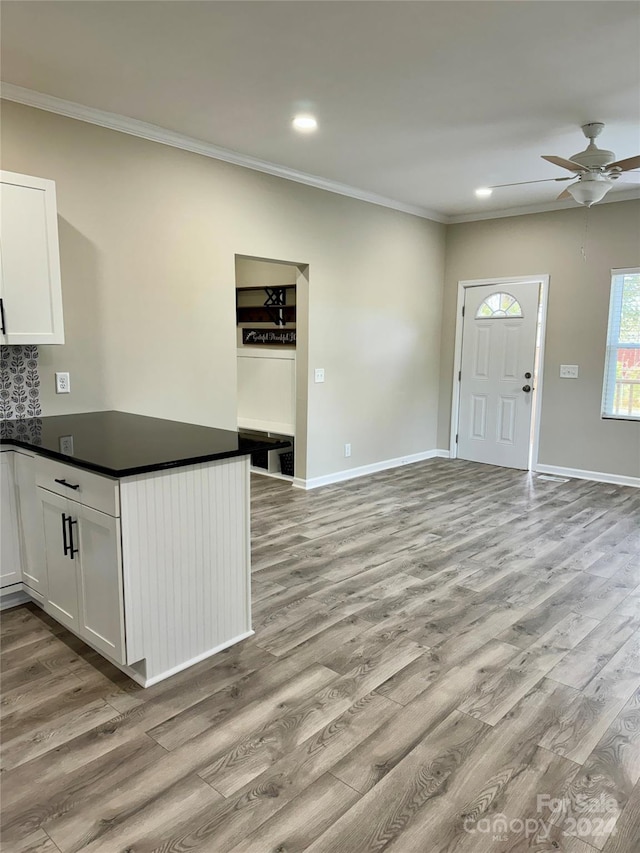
<point>19,382</point>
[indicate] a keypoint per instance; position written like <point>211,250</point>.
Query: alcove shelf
<point>269,305</point>
<point>265,314</point>
<point>268,462</point>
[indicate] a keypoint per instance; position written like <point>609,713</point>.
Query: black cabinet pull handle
<point>68,485</point>
<point>72,548</point>
<point>4,327</point>
<point>65,544</point>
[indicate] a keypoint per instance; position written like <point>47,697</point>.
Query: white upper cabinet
<point>30,287</point>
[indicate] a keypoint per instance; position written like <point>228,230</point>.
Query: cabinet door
<point>10,569</point>
<point>62,589</point>
<point>30,285</point>
<point>34,573</point>
<point>100,580</point>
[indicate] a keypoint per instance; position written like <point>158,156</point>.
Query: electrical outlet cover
<point>65,443</point>
<point>63,383</point>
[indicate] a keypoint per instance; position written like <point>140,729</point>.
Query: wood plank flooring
<point>446,658</point>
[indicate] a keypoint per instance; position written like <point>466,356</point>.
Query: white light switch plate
<point>568,371</point>
<point>319,374</point>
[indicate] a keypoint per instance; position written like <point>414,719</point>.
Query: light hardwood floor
<point>446,658</point>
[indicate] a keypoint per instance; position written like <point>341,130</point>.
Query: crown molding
<point>543,207</point>
<point>154,133</point>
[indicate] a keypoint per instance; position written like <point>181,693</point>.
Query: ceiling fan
<point>595,170</point>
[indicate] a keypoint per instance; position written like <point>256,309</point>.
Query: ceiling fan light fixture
<point>594,171</point>
<point>590,189</point>
<point>483,192</point>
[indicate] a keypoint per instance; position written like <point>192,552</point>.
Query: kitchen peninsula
<point>133,532</point>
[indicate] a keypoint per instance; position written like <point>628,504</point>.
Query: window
<point>621,395</point>
<point>499,305</point>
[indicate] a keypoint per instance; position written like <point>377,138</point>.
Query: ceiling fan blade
<point>564,164</point>
<point>625,165</point>
<point>564,194</point>
<point>540,181</point>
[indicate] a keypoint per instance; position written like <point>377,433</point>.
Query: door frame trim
<point>543,280</point>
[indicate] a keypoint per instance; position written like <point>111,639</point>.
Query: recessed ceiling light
<point>484,192</point>
<point>305,123</point>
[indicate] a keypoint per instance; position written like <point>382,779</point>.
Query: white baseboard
<point>148,682</point>
<point>596,476</point>
<point>363,470</point>
<point>13,596</point>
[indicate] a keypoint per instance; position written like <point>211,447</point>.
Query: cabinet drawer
<point>93,490</point>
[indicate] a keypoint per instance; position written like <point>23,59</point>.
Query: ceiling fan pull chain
<point>586,233</point>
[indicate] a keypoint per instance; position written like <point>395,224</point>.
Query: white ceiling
<point>419,102</point>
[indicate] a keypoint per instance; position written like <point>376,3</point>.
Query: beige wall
<point>572,434</point>
<point>148,238</point>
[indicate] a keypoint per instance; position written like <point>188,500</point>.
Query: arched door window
<point>498,306</point>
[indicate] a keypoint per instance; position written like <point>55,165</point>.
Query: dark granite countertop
<point>119,444</point>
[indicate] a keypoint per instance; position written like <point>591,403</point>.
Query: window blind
<point>621,392</point>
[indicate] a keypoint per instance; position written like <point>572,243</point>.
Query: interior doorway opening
<point>499,370</point>
<point>271,340</point>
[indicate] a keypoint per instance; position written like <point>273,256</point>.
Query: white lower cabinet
<point>152,570</point>
<point>10,559</point>
<point>84,572</point>
<point>34,570</point>
<point>62,584</point>
<point>99,568</point>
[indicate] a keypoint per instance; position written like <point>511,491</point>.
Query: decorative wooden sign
<point>270,337</point>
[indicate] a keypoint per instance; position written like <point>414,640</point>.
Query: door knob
<point>526,388</point>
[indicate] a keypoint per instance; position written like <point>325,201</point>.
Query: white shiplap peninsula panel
<point>186,558</point>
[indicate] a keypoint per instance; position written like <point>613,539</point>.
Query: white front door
<point>496,382</point>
